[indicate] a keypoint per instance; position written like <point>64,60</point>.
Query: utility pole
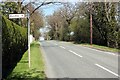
<point>91,26</point>
<point>28,18</point>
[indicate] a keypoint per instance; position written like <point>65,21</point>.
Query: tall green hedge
<point>14,44</point>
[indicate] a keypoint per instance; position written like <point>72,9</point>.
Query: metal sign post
<point>28,17</point>
<point>12,16</point>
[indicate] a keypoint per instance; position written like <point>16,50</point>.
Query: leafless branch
<point>44,3</point>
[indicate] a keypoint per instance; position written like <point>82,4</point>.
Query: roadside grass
<point>103,48</point>
<point>36,70</point>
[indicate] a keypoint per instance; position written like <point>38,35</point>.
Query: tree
<point>13,7</point>
<point>36,21</point>
<point>53,21</point>
<point>105,22</point>
<point>36,16</point>
<point>9,8</point>
<point>79,26</point>
<point>62,19</point>
<point>68,12</point>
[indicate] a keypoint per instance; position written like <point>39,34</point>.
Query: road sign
<point>11,16</point>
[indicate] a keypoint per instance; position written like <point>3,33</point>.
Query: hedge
<point>14,44</point>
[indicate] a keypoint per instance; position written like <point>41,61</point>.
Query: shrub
<point>14,44</point>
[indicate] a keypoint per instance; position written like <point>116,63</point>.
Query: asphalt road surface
<point>66,60</point>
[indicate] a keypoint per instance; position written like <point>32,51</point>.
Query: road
<point>67,60</point>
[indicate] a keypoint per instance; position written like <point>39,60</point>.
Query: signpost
<point>28,18</point>
<point>13,16</point>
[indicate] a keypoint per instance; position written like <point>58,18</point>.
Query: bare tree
<point>36,21</point>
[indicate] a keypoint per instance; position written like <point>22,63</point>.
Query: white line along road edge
<point>100,51</point>
<point>56,44</point>
<point>75,53</point>
<point>62,47</point>
<point>107,70</point>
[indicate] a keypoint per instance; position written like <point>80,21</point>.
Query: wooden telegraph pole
<point>91,26</point>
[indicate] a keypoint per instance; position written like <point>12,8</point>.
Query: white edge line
<point>75,53</point>
<point>62,47</point>
<point>56,44</point>
<point>100,50</point>
<point>104,52</point>
<point>111,53</point>
<point>107,70</point>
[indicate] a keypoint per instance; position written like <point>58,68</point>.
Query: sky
<point>49,9</point>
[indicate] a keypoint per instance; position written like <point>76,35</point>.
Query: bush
<point>14,44</point>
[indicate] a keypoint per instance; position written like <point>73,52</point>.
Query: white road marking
<point>107,70</point>
<point>111,53</point>
<point>75,53</point>
<point>99,50</point>
<point>105,52</point>
<point>56,44</point>
<point>62,47</point>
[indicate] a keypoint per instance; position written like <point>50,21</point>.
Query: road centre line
<point>62,47</point>
<point>107,70</point>
<point>75,53</point>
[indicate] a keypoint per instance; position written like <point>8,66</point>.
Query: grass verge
<point>103,48</point>
<point>35,72</point>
